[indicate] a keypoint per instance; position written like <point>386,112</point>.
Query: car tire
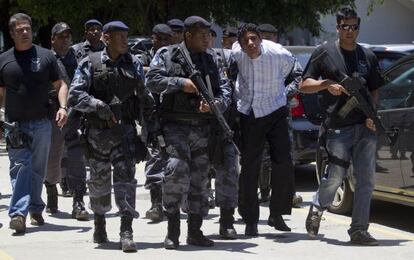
<point>344,196</point>
<point>343,200</point>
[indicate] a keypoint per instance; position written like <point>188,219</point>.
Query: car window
<point>398,90</point>
<point>385,62</point>
<point>303,58</point>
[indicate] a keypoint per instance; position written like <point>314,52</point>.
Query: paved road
<point>64,238</point>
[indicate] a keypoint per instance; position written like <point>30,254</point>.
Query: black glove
<point>104,111</point>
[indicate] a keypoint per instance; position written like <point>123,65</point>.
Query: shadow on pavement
<point>239,247</point>
<point>4,208</point>
<point>5,196</point>
<point>382,242</point>
<point>392,215</point>
<point>112,245</point>
<point>295,237</point>
<point>56,228</point>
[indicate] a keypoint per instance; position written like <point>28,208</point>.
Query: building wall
<point>391,22</point>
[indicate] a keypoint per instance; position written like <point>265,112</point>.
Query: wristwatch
<point>65,108</point>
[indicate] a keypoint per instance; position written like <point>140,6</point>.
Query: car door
<point>396,110</point>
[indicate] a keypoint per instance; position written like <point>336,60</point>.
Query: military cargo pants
<point>106,152</point>
<point>227,178</point>
<point>187,168</point>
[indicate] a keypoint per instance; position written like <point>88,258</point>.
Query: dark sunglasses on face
<point>348,27</point>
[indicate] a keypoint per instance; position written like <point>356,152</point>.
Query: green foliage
<point>141,15</point>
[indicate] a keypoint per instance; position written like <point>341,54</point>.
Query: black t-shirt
<point>328,66</point>
<point>28,76</point>
<point>70,64</point>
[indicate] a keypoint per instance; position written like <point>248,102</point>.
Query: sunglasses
<point>348,27</point>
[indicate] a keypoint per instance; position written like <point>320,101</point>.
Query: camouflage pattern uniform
<point>186,132</point>
<point>103,150</point>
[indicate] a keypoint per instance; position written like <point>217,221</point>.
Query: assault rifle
<point>180,57</point>
<point>354,85</point>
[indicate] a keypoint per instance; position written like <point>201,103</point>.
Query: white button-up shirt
<point>260,84</point>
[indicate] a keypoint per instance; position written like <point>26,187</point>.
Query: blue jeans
<point>28,168</point>
<point>356,144</point>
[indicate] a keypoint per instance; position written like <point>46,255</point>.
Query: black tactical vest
<point>181,105</point>
<point>116,86</point>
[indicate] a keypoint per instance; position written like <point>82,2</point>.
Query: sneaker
<point>313,221</point>
<point>18,223</point>
<point>36,219</point>
<point>363,238</point>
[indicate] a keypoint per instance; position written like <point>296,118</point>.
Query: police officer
<point>60,42</point>
<point>224,159</point>
<point>229,37</point>
<point>186,128</point>
<point>92,43</point>
<point>73,165</point>
<point>177,26</point>
<point>161,36</point>
<point>108,88</point>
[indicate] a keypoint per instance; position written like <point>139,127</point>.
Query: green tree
<point>141,15</point>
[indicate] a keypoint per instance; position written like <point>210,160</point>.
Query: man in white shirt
<point>262,67</point>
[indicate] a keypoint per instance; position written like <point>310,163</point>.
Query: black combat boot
<point>52,198</point>
<point>78,209</point>
<point>99,234</point>
<point>227,230</point>
<point>155,213</point>
<point>171,240</point>
<point>65,189</point>
<point>126,242</point>
<point>195,235</point>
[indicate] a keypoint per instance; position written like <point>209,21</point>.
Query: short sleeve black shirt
<point>361,60</point>
<point>28,76</point>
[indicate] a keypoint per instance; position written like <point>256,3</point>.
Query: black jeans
<point>255,131</point>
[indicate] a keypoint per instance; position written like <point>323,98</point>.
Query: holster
<point>17,139</point>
